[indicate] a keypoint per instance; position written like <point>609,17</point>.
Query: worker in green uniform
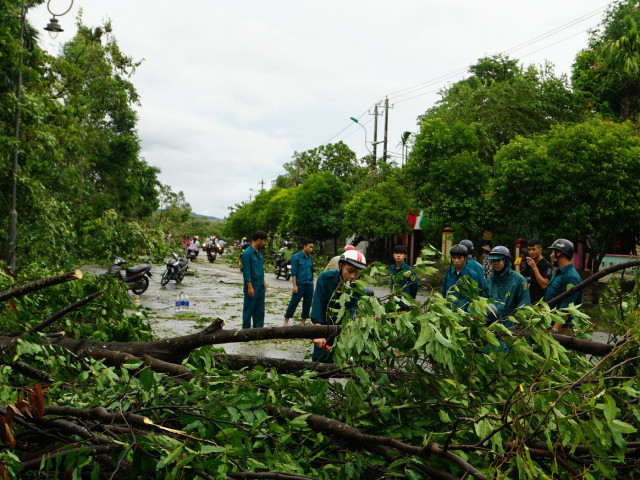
<point>564,278</point>
<point>506,288</point>
<point>407,282</point>
<point>471,262</point>
<point>254,287</point>
<point>327,295</point>
<point>456,272</point>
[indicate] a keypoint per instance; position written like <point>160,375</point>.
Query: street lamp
<point>354,119</point>
<point>13,224</point>
<point>53,27</point>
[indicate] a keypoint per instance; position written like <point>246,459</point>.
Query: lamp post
<point>13,213</point>
<point>373,160</point>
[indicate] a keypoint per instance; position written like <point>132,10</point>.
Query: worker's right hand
<point>250,291</point>
<point>319,342</point>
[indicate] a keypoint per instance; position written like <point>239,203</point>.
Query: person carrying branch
<point>326,298</point>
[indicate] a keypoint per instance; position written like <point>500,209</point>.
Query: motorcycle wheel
<point>166,276</point>
<point>287,275</point>
<point>140,286</point>
<point>212,258</point>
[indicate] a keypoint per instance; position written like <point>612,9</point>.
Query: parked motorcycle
<point>280,269</point>
<point>135,277</point>
<point>176,269</point>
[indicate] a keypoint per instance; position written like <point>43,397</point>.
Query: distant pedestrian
<point>254,287</point>
<point>185,244</point>
<point>302,279</point>
<point>169,239</point>
<point>564,278</point>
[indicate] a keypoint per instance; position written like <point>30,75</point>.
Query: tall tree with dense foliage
<point>606,71</point>
<point>378,211</point>
<point>317,208</point>
<point>446,175</point>
<point>572,182</point>
<point>502,100</point>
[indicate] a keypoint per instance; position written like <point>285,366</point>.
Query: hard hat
<point>355,258</point>
<point>459,249</point>
<point>468,244</point>
<point>349,247</point>
<point>564,246</point>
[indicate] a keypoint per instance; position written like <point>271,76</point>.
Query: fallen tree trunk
<point>40,284</point>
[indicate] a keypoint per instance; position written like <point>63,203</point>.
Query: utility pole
<point>386,128</point>
<point>375,138</point>
<point>262,184</point>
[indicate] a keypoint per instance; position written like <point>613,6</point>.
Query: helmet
<point>355,258</point>
<point>349,247</point>
<point>499,252</point>
<point>564,246</point>
<point>468,244</point>
<point>214,237</point>
<point>195,237</point>
<point>244,238</point>
<point>459,249</point>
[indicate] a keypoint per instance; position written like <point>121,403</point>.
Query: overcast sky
<point>229,90</point>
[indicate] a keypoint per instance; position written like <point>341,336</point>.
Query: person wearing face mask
<point>506,288</point>
<point>564,278</point>
<point>327,295</point>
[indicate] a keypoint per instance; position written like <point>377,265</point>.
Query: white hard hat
<point>355,258</point>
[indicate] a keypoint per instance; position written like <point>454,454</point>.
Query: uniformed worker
<point>327,295</point>
<point>472,263</point>
<point>506,288</point>
<point>458,270</point>
<point>564,278</point>
<point>302,280</point>
<point>254,287</point>
<point>408,282</point>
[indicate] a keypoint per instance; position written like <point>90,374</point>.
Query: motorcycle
<point>192,254</point>
<point>176,269</point>
<point>212,251</point>
<point>135,277</point>
<point>282,270</point>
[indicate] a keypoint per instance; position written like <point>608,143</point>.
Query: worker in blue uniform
<point>458,270</point>
<point>564,278</point>
<point>326,298</point>
<point>506,288</point>
<point>254,287</point>
<point>472,263</point>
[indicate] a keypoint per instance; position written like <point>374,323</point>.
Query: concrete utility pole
<point>262,184</point>
<point>375,138</point>
<point>386,128</point>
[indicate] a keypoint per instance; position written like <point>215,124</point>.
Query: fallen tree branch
<point>63,312</point>
<point>353,434</point>
<point>40,284</point>
<point>281,365</point>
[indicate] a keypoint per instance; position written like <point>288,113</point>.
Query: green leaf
<point>168,459</point>
<point>623,427</point>
<point>300,421</point>
<point>206,449</point>
<point>147,380</point>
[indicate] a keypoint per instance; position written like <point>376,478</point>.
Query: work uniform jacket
<point>508,290</point>
<point>302,268</point>
<point>451,279</point>
<point>324,301</point>
<point>564,279</point>
<point>408,283</point>
<point>476,267</point>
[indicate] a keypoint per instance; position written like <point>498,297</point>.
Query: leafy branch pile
<point>423,393</point>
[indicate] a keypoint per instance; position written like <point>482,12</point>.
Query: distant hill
<point>197,215</point>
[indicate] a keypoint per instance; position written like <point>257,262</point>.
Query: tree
<point>377,212</point>
<point>317,208</point>
<point>623,54</point>
<point>335,158</point>
<point>572,182</point>
<point>446,175</point>
<point>606,71</point>
<point>502,101</point>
